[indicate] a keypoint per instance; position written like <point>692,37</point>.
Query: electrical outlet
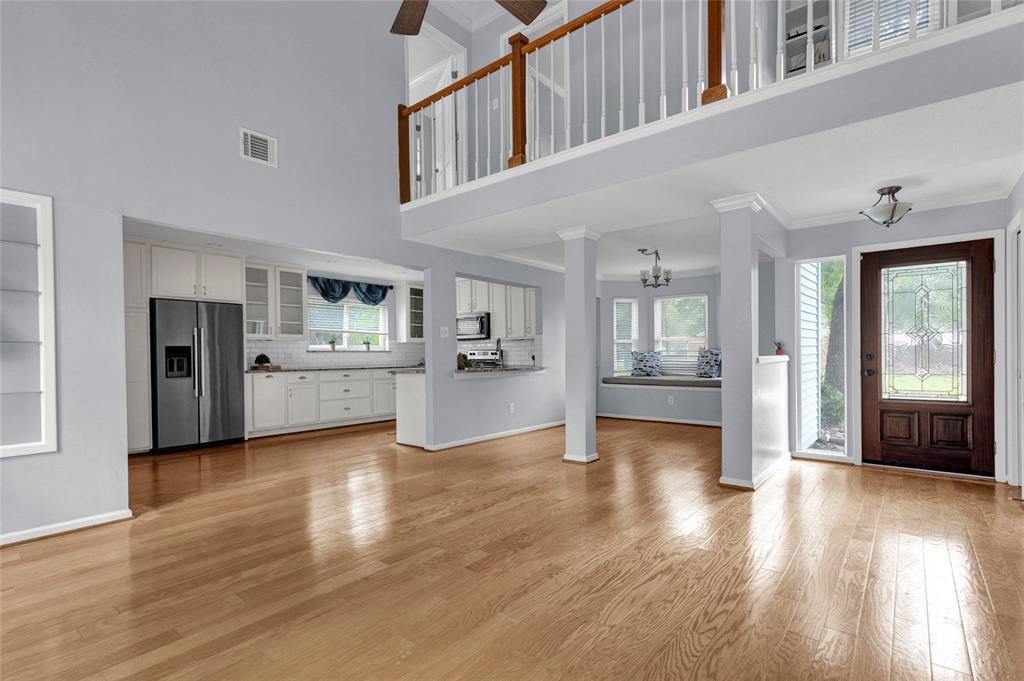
<point>511,407</point>
<point>444,332</point>
<point>494,105</point>
<point>671,399</point>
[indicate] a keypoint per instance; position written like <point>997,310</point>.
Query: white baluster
<point>417,153</point>
<point>586,104</point>
<point>476,129</point>
<point>686,70</point>
<point>604,116</point>
<point>912,20</point>
<point>952,12</point>
<point>536,104</point>
<point>833,31</point>
<point>810,36</point>
<point>752,78</point>
<point>502,138</point>
<point>663,109</point>
<point>551,91</point>
<point>875,26</point>
<point>622,72</point>
<point>700,52</point>
<point>734,72</point>
<point>997,5</point>
<point>780,42</point>
<point>568,92</point>
<point>642,118</point>
<point>487,110</point>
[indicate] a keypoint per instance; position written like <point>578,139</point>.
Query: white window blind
<point>680,331</point>
<point>28,389</point>
<point>893,22</point>
<point>809,284</point>
<point>625,334</point>
<point>348,322</point>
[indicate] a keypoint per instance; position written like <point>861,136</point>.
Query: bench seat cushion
<point>665,381</point>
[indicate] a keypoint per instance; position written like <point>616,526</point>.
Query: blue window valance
<point>333,290</point>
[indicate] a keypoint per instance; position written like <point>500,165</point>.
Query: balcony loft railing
<point>627,63</point>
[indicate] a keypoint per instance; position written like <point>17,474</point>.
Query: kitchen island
<point>497,372</point>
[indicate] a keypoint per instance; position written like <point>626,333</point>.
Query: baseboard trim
<point>62,527</point>
<point>822,456</point>
<point>688,422</point>
<point>573,458</point>
<point>776,466</point>
<point>747,485</point>
<point>492,436</point>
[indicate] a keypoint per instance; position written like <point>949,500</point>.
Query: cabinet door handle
<point>302,378</point>
<point>195,289</point>
<point>268,377</point>
<point>346,390</point>
<point>204,289</point>
<point>348,408</point>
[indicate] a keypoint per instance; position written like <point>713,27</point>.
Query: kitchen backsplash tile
<point>517,352</point>
<point>295,354</point>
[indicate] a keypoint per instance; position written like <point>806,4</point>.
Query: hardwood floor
<point>344,556</point>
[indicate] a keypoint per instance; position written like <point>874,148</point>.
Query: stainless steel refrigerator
<point>198,360</point>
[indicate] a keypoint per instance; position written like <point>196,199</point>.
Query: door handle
<point>202,363</point>
<point>869,372</point>
<point>195,366</point>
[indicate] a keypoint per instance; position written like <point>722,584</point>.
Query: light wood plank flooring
<point>344,556</point>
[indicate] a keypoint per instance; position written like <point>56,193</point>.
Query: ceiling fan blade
<point>524,10</point>
<point>409,17</point>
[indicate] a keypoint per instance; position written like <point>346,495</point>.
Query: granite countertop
<point>503,371</point>
<point>311,369</point>
<point>408,370</point>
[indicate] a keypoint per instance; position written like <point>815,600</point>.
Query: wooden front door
<point>927,357</point>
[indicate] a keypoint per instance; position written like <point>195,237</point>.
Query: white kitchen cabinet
<point>410,409</point>
<point>220,277</point>
<point>136,280</point>
<point>290,304</point>
<point>175,272</point>
<point>259,301</point>
<point>302,403</point>
<point>463,296</point>
<point>383,397</point>
<point>269,401</point>
<point>499,314</point>
<point>415,313</point>
<point>481,296</point>
<point>136,327</point>
<point>516,312</point>
<point>530,305</point>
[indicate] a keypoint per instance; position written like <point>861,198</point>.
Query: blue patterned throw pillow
<point>709,363</point>
<point>646,364</point>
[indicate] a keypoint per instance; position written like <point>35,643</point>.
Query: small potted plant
<point>779,349</point>
<point>367,341</point>
<point>332,341</point>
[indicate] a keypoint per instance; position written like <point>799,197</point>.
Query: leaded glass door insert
<point>924,332</point>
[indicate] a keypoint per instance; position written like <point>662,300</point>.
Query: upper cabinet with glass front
<point>275,302</point>
<point>415,312</point>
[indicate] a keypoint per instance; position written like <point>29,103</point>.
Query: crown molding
<point>519,260</point>
<point>579,233</point>
<point>751,201</point>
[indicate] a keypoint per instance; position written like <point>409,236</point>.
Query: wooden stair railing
<point>520,48</point>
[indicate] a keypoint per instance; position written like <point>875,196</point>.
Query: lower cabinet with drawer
<point>295,401</point>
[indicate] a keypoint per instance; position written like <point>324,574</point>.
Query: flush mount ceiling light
<point>889,213</point>
<point>661,277</point>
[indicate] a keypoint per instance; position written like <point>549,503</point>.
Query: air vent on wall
<point>258,147</point>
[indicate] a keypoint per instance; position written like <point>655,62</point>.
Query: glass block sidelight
<point>924,332</point>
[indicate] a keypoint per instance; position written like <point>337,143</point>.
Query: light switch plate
<point>444,332</point>
<point>671,399</point>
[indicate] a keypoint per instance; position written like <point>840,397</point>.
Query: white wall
<point>87,476</point>
<point>133,109</point>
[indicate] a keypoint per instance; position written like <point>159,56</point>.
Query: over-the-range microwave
<point>476,326</point>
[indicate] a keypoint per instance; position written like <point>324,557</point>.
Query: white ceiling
<point>953,152</point>
<point>319,262</point>
<point>470,14</point>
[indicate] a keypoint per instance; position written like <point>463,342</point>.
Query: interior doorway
<point>433,62</point>
<point>927,357</point>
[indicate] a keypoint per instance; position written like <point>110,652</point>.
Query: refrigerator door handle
<point>202,361</point>
<point>195,369</point>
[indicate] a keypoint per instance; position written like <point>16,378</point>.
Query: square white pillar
<point>738,328</point>
<point>580,346</point>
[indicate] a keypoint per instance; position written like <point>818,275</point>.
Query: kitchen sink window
<point>348,324</point>
<point>680,331</point>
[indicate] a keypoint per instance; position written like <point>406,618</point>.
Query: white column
<point>580,332</point>
<point>739,321</point>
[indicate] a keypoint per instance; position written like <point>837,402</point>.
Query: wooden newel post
<point>518,156</point>
<point>404,187</point>
<point>716,32</point>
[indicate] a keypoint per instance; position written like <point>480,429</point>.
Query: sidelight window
<point>821,356</point>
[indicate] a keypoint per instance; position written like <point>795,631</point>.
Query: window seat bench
<point>665,381</point>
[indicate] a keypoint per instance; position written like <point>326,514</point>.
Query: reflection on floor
<point>340,555</point>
